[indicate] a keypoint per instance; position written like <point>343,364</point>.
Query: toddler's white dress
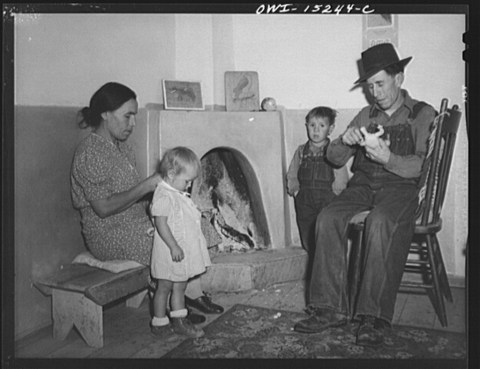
<point>184,220</point>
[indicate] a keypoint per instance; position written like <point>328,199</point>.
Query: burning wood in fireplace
<point>230,239</point>
<point>222,192</point>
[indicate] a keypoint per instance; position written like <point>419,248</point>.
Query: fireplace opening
<point>228,194</point>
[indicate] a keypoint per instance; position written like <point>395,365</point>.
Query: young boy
<point>310,178</point>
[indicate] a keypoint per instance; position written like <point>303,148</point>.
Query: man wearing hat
<point>385,180</point>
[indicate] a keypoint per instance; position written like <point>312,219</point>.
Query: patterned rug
<point>259,333</point>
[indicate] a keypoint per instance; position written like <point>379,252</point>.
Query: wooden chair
<point>428,261</point>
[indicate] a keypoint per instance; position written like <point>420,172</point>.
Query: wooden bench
<point>79,293</point>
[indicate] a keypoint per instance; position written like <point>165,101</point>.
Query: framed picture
<point>380,28</point>
<point>182,95</point>
<point>241,91</point>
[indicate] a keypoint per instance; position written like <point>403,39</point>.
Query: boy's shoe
<point>320,320</point>
<point>371,331</point>
<point>184,327</point>
<point>161,330</point>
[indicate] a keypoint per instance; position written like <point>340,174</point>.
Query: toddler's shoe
<point>196,318</point>
<point>184,327</point>
<point>161,331</point>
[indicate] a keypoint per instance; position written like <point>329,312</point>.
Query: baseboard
<point>456,281</point>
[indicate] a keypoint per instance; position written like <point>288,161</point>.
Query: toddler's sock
<point>181,313</point>
<point>159,322</point>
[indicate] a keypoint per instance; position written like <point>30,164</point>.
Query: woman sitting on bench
<point>107,190</point>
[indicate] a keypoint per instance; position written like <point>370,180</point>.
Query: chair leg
<point>436,284</point>
<point>444,285</point>
<point>355,261</point>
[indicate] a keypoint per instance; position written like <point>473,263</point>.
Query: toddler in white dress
<point>179,247</point>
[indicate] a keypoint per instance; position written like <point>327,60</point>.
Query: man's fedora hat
<point>379,57</point>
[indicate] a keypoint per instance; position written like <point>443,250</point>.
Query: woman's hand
<point>152,182</point>
<point>121,201</point>
<point>177,253</point>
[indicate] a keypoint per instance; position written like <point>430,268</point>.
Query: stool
<point>79,293</point>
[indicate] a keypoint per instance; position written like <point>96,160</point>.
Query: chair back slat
<point>445,129</point>
<point>449,135</point>
<point>432,159</point>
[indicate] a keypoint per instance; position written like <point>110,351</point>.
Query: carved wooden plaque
<point>241,91</point>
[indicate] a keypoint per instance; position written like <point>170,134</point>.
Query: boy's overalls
<point>315,176</point>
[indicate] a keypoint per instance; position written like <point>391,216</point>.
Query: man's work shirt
<point>408,129</point>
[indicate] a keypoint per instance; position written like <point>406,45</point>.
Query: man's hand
<point>379,153</point>
<point>352,136</point>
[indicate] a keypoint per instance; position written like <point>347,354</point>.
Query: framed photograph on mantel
<point>242,91</point>
<point>182,95</point>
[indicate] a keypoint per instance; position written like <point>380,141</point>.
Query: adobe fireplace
<point>250,145</point>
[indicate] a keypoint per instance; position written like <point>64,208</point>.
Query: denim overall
<point>388,231</point>
<point>315,176</point>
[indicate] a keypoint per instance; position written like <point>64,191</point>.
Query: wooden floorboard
<point>292,297</point>
<point>40,344</point>
<point>127,331</point>
<point>135,336</point>
<point>418,312</point>
<point>456,312</point>
<point>399,307</point>
<point>125,336</point>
